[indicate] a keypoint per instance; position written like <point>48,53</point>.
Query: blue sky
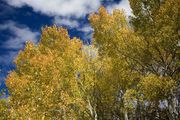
<point>22,20</point>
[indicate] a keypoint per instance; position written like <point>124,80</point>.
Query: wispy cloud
<point>87,31</point>
<point>68,22</point>
<point>20,34</point>
<point>76,8</point>
<point>86,28</point>
<point>64,10</point>
<point>7,59</point>
<point>123,4</point>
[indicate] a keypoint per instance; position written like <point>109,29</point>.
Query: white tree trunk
<point>125,115</point>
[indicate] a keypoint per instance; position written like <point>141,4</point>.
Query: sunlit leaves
<point>3,109</point>
<point>44,84</point>
<point>156,88</point>
<point>127,72</point>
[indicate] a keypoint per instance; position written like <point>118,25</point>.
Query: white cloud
<point>63,10</point>
<point>123,4</point>
<point>20,34</point>
<point>87,31</point>
<point>76,8</point>
<point>7,59</point>
<point>66,22</point>
<point>86,28</point>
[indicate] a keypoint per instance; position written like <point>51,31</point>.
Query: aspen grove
<point>129,72</point>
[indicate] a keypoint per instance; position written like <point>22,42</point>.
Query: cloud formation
<point>76,8</point>
<point>86,28</point>
<point>64,10</point>
<point>20,34</point>
<point>123,4</point>
<point>68,22</point>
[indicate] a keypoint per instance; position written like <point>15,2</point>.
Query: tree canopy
<point>129,72</point>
